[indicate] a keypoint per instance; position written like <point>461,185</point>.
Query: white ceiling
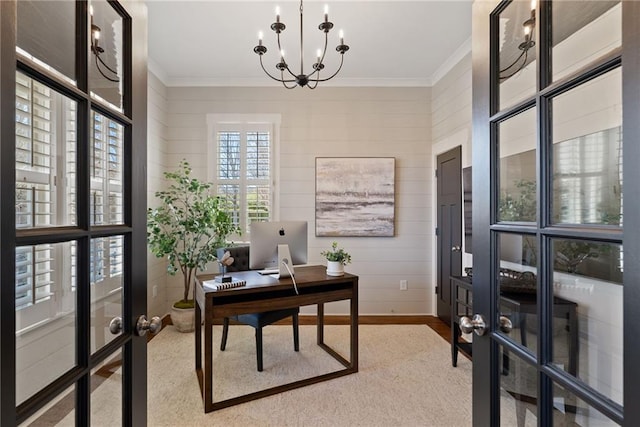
<point>392,43</point>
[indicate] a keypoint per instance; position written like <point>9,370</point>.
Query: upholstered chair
<point>240,255</point>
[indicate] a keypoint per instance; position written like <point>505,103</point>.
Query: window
<point>242,168</point>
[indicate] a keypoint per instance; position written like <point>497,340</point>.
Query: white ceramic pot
<point>183,319</point>
<point>335,268</point>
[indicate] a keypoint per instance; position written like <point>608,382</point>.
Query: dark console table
<point>519,304</point>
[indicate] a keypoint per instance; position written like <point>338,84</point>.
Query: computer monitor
<point>265,238</point>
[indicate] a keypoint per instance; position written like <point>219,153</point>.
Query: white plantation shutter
<point>243,171</point>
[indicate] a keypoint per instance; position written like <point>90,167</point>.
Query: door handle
<point>143,325</point>
<point>477,324</point>
<point>455,248</point>
<point>505,324</point>
<point>115,326</point>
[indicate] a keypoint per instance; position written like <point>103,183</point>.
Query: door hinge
<point>437,289</point>
<point>437,231</point>
<point>436,173</point>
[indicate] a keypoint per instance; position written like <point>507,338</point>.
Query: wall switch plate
<point>154,290</point>
<point>403,285</point>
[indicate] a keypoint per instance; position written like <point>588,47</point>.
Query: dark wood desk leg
<point>320,324</point>
<point>455,336</point>
<point>208,360</point>
<point>198,336</point>
<point>354,327</point>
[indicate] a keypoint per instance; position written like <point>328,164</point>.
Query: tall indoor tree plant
<point>187,227</point>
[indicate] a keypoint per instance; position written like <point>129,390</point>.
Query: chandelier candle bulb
<point>341,37</point>
<point>326,13</point>
<point>277,13</point>
<point>260,38</point>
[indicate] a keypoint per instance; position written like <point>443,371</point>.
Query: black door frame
<point>134,121</point>
<point>485,349</point>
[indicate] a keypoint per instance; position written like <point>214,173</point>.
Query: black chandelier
<point>528,27</point>
<point>309,80</point>
<point>97,50</point>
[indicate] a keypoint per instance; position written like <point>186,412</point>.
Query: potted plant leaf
<point>187,226</point>
<point>337,258</point>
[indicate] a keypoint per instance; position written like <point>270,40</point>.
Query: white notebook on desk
<point>212,284</point>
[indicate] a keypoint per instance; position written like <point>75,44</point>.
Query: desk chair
<point>240,255</point>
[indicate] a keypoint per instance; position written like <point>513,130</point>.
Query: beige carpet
<point>405,379</point>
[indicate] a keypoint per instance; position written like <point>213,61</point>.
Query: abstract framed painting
<point>355,196</point>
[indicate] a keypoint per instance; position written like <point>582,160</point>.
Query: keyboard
<point>269,271</point>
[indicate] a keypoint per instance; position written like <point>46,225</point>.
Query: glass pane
<point>47,34</point>
<point>587,153</point>
<point>106,392</point>
<point>106,171</point>
<point>517,151</point>
<point>582,32</point>
<point>106,60</point>
<point>229,155</point>
<point>569,410</point>
<point>230,195</point>
<point>518,391</point>
<point>587,323</point>
<point>107,287</point>
<point>518,286</point>
<point>45,156</point>
<point>258,203</point>
<point>516,52</point>
<point>258,162</point>
<point>45,316</point>
<point>60,412</point>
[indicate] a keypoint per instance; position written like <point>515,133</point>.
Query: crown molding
<point>451,62</point>
<point>265,82</point>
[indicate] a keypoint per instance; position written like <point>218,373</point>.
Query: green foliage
<point>337,254</point>
<point>188,225</point>
<point>184,304</point>
<point>521,206</point>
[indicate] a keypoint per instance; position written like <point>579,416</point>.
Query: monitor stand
<point>284,257</point>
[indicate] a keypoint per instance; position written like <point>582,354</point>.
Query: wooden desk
<point>264,293</point>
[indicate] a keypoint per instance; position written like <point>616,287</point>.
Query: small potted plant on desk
<point>337,258</point>
<point>187,227</point>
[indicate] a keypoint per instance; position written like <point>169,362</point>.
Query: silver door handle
<point>455,248</point>
<point>115,326</point>
<point>477,324</point>
<point>143,325</point>
<point>505,324</point>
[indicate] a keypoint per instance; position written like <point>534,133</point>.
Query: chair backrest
<point>240,256</point>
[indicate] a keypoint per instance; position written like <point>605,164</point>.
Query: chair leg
<point>296,335</point>
<point>225,331</point>
<point>259,348</point>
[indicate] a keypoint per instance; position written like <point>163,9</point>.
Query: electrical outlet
<point>403,285</point>
<point>154,291</point>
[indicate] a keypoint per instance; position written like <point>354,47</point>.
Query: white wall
<point>338,122</point>
<point>156,165</point>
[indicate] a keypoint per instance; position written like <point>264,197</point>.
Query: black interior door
<point>73,229</point>
<point>555,276</point>
<point>449,235</point>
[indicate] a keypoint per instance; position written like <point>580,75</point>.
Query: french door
<point>556,277</point>
<point>73,212</point>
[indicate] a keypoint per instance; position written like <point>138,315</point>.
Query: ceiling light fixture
<point>97,50</point>
<point>309,80</point>
<point>529,27</point>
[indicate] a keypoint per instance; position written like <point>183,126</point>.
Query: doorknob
<point>505,324</point>
<point>115,326</point>
<point>455,248</point>
<point>477,324</point>
<point>143,325</point>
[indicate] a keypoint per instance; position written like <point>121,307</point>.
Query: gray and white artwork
<point>355,196</point>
